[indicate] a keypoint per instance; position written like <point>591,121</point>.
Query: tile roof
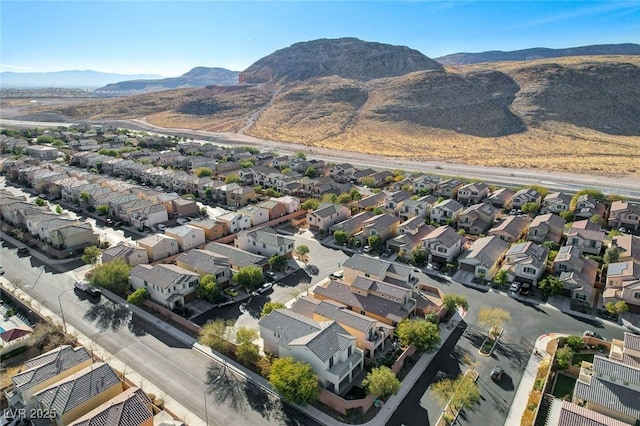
<point>50,364</point>
<point>486,250</point>
<point>131,408</point>
<point>574,415</point>
<point>343,315</point>
<point>14,333</point>
<point>78,388</point>
<point>446,235</point>
<point>381,222</point>
<point>609,395</point>
<point>326,342</point>
<point>390,290</point>
<point>353,223</point>
<point>512,225</point>
<point>164,276</point>
<point>155,239</point>
<point>449,204</point>
<point>327,209</point>
<point>632,341</point>
<point>289,325</point>
<point>270,237</point>
<point>367,264</point>
<point>236,256</point>
<point>204,261</point>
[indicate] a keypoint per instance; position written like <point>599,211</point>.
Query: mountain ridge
<point>69,79</point>
<point>196,77</point>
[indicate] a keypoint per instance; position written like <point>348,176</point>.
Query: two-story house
<point>446,212</point>
<point>383,225</point>
<point>204,262</point>
<point>473,193</point>
<point>448,188</point>
<point>393,201</point>
<point>587,236</point>
<point>556,202</point>
<point>628,247</point>
<point>525,262</point>
<point>410,235</point>
<point>234,222</point>
<point>265,242</point>
<point>587,206</point>
<point>624,214</point>
<point>168,285</point>
<point>188,236</point>
<point>443,244</point>
<point>353,225</point>
<point>132,408</point>
<point>326,346</point>
<point>511,228</point>
<point>546,227</point>
<point>257,215</point>
<point>213,229</point>
<point>623,283</point>
<point>477,219</point>
<point>238,258</point>
<point>131,254</point>
<point>379,269</point>
<point>420,207</point>
<point>501,198</point>
<point>483,257</point>
<point>525,196</point>
<point>159,246</point>
<point>326,215</point>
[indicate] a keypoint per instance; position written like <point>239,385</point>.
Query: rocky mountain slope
<point>571,113</point>
<point>197,77</point>
<point>540,53</point>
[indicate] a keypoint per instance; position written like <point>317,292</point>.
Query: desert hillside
<point>575,113</point>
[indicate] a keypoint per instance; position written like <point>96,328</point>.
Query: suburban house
<point>525,262</point>
<point>393,200</point>
<point>410,235</point>
<point>609,387</point>
<point>477,219</point>
<point>44,370</point>
<point>73,237</point>
<point>131,254</point>
<point>443,244</point>
<point>623,283</point>
<point>511,228</point>
<point>292,204</point>
<point>483,257</point>
<point>626,351</point>
<point>587,206</point>
<point>204,262</point>
<point>40,225</point>
<point>326,346</point>
<point>275,208</point>
<point>382,301</point>
<point>234,222</point>
<point>326,215</point>
<point>372,336</point>
<point>556,202</point>
<point>353,225</point>
<point>239,196</point>
<point>257,215</point>
<point>628,247</point>
<point>159,246</point>
<point>448,188</point>
<point>79,393</point>
<point>371,202</point>
<point>238,258</point>
<point>212,228</point>
<point>168,285</point>
<point>148,216</point>
<point>132,408</point>
<point>587,236</point>
<point>579,283</point>
<point>472,193</point>
<point>546,227</point>
<point>525,196</point>
<point>569,414</point>
<point>383,225</point>
<point>568,258</point>
<point>188,236</point>
<point>341,172</point>
<point>501,198</point>
<point>184,207</point>
<point>42,152</point>
<point>446,212</point>
<point>420,207</point>
<point>371,267</point>
<point>624,214</point>
<point>265,242</point>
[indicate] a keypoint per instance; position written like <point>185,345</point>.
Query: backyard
<point>578,358</point>
<point>564,386</point>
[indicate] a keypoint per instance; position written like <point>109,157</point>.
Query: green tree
<point>378,210</point>
<point>432,317</point>
<point>616,308</point>
<point>216,334</point>
<point>249,277</point>
<point>369,182</point>
<point>454,301</point>
<point>208,193</point>
<point>418,256</point>
<point>563,357</point>
<point>530,208</point>
<point>612,255</point>
<point>208,289</point>
<point>550,286</point>
<point>269,307</point>
<point>45,139</point>
<point>568,215</point>
<point>381,381</point>
<point>247,352</point>
<point>113,276</point>
<point>247,163</point>
<point>272,193</point>
<point>203,172</point>
<point>355,195</point>
<point>597,195</point>
<point>59,209</point>
<point>311,172</point>
<point>420,333</point>
<point>460,393</point>
<point>294,380</point>
<point>301,155</point>
<point>84,197</point>
<point>344,198</point>
<point>551,245</point>
<point>232,179</point>
<point>91,255</point>
<point>310,204</point>
<point>493,317</point>
<point>501,277</point>
<point>301,251</point>
<point>41,202</point>
<point>286,170</point>
<point>341,237</point>
<point>375,242</point>
<point>278,262</point>
<point>598,220</point>
<point>102,209</point>
<point>575,343</point>
<point>138,296</point>
<point>329,198</point>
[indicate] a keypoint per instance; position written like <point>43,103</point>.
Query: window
<point>349,351</point>
<point>441,249</point>
<point>528,270</point>
<point>331,362</point>
<point>636,295</point>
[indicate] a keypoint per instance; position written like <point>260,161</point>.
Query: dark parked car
<point>23,250</point>
<point>496,373</point>
<point>525,289</point>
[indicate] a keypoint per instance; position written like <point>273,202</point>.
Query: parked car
<point>366,249</point>
<point>161,227</point>
<point>81,285</point>
<point>590,333</point>
<point>182,221</point>
<point>94,292</point>
<point>515,286</point>
<point>265,287</point>
<point>231,292</point>
<point>338,275</point>
<point>496,373</point>
<point>525,289</point>
<point>270,274</point>
<point>23,250</point>
<point>226,302</point>
<point>1,270</point>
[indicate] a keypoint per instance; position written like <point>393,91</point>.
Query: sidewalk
<point>525,387</point>
<point>170,404</point>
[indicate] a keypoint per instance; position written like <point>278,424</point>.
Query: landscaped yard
<point>564,386</point>
<point>578,358</point>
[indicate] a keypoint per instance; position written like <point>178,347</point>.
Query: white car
<point>366,249</point>
<point>1,270</point>
<point>265,287</point>
<point>515,286</point>
<point>182,221</point>
<point>161,227</point>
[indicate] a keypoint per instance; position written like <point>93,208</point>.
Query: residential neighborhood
<point>195,233</point>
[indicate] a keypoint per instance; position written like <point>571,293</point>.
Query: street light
<point>64,324</point>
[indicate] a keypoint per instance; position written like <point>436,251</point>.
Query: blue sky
<point>171,37</point>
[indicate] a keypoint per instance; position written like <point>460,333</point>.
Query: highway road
<point>169,364</point>
<point>626,185</point>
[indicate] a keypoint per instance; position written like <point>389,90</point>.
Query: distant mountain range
<point>539,53</point>
<point>65,79</point>
<point>197,77</point>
